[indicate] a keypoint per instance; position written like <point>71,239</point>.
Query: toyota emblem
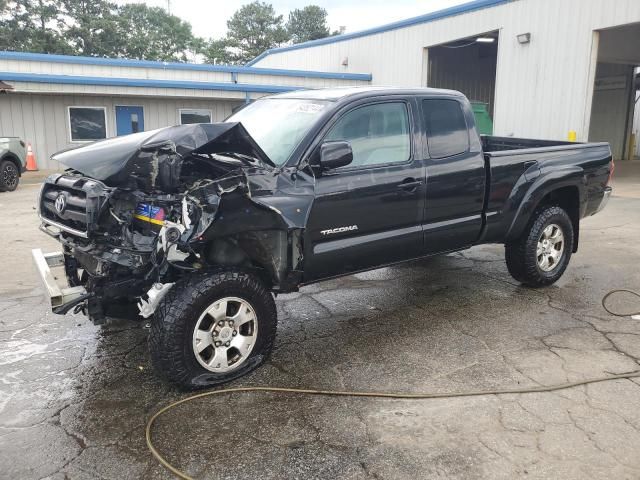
<point>61,203</point>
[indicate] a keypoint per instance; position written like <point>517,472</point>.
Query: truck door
<point>455,176</point>
<point>370,212</point>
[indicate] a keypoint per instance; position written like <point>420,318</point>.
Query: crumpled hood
<point>113,159</point>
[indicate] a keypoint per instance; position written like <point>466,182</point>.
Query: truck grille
<point>72,204</point>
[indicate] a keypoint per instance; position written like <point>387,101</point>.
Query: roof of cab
<point>339,93</point>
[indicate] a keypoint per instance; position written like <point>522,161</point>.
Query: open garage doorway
<point>614,92</point>
<point>635,131</point>
<point>469,66</point>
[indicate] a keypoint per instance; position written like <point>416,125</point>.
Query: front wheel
<point>541,254</point>
<point>210,329</point>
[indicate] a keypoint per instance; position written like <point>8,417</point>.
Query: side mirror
<point>335,154</point>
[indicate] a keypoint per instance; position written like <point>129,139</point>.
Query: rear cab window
<point>446,128</point>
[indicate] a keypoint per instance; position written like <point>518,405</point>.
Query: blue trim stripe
<point>429,17</point>
<point>143,82</point>
<point>123,62</point>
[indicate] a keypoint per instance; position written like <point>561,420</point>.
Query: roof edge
<point>426,18</point>
<point>125,62</point>
<point>144,82</point>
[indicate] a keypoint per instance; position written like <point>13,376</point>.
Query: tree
<point>254,28</point>
<point>309,23</point>
<point>217,51</point>
<point>32,26</point>
<point>91,27</point>
<point>150,33</point>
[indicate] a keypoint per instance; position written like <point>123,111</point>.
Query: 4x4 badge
<point>61,203</point>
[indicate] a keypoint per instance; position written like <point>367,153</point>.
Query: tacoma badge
<point>339,230</point>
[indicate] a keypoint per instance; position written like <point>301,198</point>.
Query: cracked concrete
<point>74,398</point>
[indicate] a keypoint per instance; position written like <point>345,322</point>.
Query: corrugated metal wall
<point>469,69</point>
<point>43,120</point>
<point>543,89</point>
<point>636,122</point>
<point>249,76</point>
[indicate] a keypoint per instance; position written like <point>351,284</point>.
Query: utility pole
<point>169,7</point>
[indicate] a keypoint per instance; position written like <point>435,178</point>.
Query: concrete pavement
<point>74,398</point>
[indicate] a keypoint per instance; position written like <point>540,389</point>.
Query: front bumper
<point>60,299</point>
<point>605,199</point>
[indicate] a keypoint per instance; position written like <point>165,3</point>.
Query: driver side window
<point>378,134</point>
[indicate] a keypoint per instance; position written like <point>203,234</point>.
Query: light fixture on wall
<point>345,62</point>
<point>524,38</point>
<point>485,39</point>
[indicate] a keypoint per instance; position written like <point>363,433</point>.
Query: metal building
<point>545,68</point>
<point>635,141</point>
<point>58,101</point>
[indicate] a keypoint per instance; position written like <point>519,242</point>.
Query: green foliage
<point>150,33</point>
<point>254,28</point>
<point>90,27</point>
<point>32,26</point>
<point>101,28</point>
<point>308,23</point>
<point>217,51</point>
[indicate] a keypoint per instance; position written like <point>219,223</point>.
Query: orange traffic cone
<point>32,166</point>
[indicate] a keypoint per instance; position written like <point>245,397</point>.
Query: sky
<point>209,17</point>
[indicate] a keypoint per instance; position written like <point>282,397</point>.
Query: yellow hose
<point>337,393</point>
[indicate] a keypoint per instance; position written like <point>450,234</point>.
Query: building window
<point>87,124</point>
<point>446,128</point>
<point>194,115</point>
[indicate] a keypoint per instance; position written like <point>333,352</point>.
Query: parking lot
<point>75,398</point>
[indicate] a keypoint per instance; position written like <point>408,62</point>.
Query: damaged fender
<point>154,206</point>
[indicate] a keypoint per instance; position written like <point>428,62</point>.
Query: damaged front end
<point>136,214</point>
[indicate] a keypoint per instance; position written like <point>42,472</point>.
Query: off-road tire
<point>521,254</point>
<point>4,186</point>
<point>170,338</point>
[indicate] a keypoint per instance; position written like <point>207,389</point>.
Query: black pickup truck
<point>199,225</point>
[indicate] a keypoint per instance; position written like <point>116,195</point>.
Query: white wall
<point>248,76</point>
<point>43,120</point>
<point>550,79</point>
<point>636,124</point>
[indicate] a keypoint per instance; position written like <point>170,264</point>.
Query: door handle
<point>409,184</point>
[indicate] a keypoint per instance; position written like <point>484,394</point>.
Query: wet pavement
<point>74,398</point>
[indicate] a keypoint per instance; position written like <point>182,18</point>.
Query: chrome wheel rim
<point>550,247</point>
<point>225,334</point>
<point>10,175</point>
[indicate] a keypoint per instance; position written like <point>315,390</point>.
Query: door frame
<point>416,155</point>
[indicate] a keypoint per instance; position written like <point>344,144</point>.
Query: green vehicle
<point>13,156</point>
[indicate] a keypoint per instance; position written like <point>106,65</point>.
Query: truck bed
<point>496,144</point>
<point>519,170</point>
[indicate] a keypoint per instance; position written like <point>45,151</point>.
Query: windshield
<point>278,124</point>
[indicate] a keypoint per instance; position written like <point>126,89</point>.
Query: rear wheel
<point>9,176</point>
<point>212,329</point>
<point>541,254</point>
